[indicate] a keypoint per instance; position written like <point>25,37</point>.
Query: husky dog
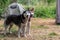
<point>22,21</point>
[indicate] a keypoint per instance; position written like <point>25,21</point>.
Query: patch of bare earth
<point>40,30</point>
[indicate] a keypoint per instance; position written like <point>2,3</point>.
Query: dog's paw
<point>4,33</point>
<point>18,36</point>
<point>23,35</point>
<point>29,35</point>
<point>10,32</point>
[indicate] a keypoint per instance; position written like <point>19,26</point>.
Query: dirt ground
<point>41,29</point>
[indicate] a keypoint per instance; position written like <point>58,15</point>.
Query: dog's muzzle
<point>32,15</point>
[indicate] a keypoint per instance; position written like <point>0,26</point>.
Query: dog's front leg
<point>10,28</point>
<point>28,28</point>
<point>19,30</point>
<point>23,30</point>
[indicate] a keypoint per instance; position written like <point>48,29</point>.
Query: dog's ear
<point>31,9</point>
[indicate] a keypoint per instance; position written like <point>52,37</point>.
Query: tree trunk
<point>58,12</point>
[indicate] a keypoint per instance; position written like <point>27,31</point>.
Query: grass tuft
<point>53,34</point>
<point>40,26</point>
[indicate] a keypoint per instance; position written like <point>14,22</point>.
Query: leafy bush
<point>45,11</point>
<point>3,4</point>
<point>50,1</point>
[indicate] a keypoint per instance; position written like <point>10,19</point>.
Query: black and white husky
<point>22,21</point>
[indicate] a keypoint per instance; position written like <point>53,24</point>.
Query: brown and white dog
<point>22,21</point>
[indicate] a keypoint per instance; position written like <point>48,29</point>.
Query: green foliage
<point>23,1</point>
<point>1,36</point>
<point>40,27</point>
<point>53,34</point>
<point>3,4</point>
<point>50,1</point>
<point>45,11</point>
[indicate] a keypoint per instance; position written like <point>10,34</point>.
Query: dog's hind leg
<point>10,28</point>
<point>5,30</point>
<point>6,24</point>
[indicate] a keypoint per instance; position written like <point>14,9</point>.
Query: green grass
<point>45,11</point>
<point>1,25</point>
<point>1,36</point>
<point>53,34</point>
<point>14,28</point>
<point>41,27</point>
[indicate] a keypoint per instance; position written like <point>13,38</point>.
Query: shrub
<point>45,11</point>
